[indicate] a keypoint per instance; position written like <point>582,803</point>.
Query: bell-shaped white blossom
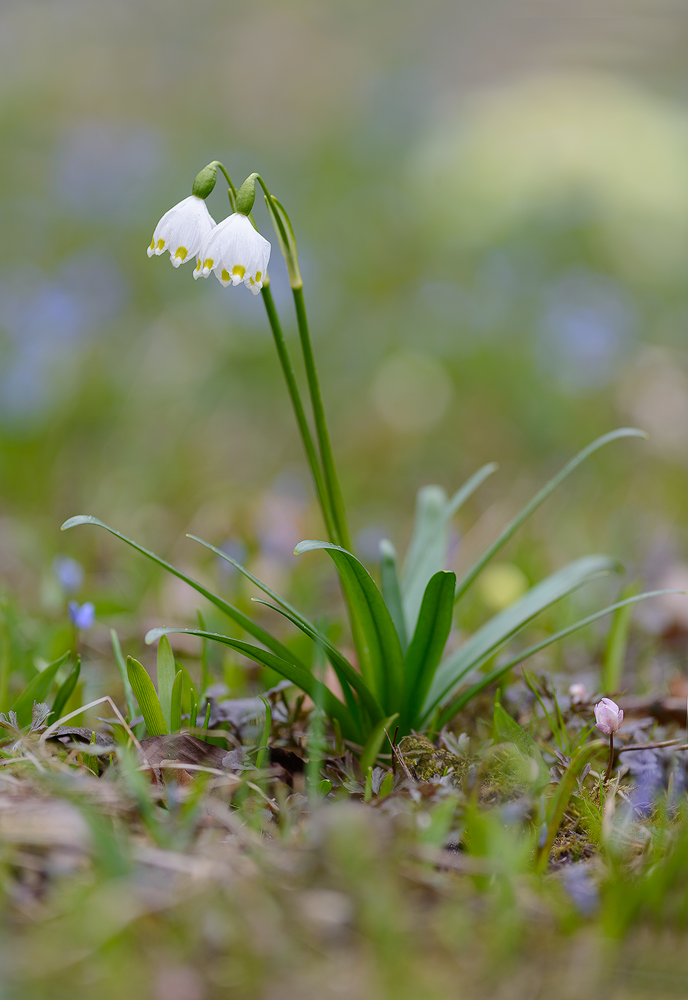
<point>236,253</point>
<point>608,716</point>
<point>182,230</point>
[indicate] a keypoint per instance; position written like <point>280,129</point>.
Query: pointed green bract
<point>382,665</point>
<point>166,675</point>
<point>147,697</point>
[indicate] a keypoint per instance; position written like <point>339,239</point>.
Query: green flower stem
<point>329,469</point>
<point>304,429</point>
<point>232,190</point>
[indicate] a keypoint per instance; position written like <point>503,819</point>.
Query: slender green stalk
<point>329,469</point>
<point>610,765</point>
<point>299,413</point>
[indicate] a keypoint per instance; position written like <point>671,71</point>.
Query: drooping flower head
<point>608,716</point>
<point>182,230</point>
<point>236,253</point>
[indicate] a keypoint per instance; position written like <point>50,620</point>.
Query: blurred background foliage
<point>491,203</point>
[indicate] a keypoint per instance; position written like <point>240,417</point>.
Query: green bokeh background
<point>491,203</point>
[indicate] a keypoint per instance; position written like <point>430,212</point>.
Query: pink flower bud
<point>608,716</point>
<point>578,693</point>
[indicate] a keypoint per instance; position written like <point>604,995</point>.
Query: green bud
<point>246,195</point>
<point>205,181</point>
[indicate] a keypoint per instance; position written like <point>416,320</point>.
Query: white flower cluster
<point>233,250</point>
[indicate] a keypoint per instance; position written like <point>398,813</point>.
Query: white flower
<point>236,253</point>
<point>608,716</point>
<point>182,230</point>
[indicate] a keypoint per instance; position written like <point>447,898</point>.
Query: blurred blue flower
<point>588,324</point>
<point>69,572</point>
<point>47,319</point>
<point>102,167</point>
<point>82,616</point>
<point>581,888</point>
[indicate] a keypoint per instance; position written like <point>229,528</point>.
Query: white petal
<point>235,248</point>
<point>182,230</point>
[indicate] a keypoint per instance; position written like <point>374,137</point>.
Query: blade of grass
<point>147,697</point>
<point>374,743</point>
<point>66,689</point>
<point>542,495</point>
<point>613,662</point>
<point>166,676</point>
<point>122,667</point>
<point>176,703</point>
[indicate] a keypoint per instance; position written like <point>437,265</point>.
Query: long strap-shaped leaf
<point>427,551</point>
<point>342,667</point>
<point>382,664</point>
<point>293,672</point>
<point>228,609</point>
<point>514,525</point>
<point>339,662</point>
<point>494,633</point>
<point>427,644</point>
<point>493,675</point>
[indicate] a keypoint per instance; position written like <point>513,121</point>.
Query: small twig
<point>652,746</point>
<point>84,708</point>
<point>394,743</point>
<point>396,754</point>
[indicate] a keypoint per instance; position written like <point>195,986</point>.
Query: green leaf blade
<point>498,630</point>
<point>176,703</point>
<point>147,697</point>
<point>428,642</point>
<point>242,620</point>
<point>292,671</point>
<point>167,672</point>
<point>382,664</point>
<point>539,497</point>
<point>66,690</point>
